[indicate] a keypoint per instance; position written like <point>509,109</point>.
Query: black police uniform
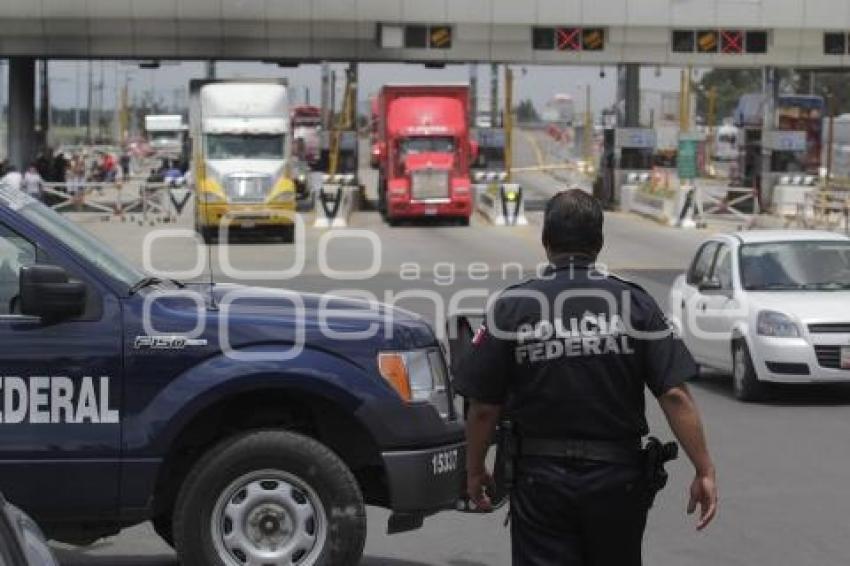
<point>576,376</point>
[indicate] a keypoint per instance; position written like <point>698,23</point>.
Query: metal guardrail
<point>141,202</point>
<point>723,203</point>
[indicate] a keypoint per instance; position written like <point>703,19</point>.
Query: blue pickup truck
<point>251,426</point>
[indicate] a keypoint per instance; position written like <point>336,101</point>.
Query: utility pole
<point>494,94</point>
<point>588,128</point>
<point>473,94</point>
<point>90,96</point>
<point>508,122</point>
<point>712,120</point>
<point>830,141</point>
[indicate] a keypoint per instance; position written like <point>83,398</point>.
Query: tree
<point>731,84</point>
<point>526,112</point>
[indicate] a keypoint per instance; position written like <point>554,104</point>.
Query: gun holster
<point>656,454</point>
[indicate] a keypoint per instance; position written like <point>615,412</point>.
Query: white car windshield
<point>812,265</point>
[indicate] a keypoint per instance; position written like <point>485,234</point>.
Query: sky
<point>69,80</point>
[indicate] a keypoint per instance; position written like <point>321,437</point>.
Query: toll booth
<point>781,159</point>
<point>625,152</point>
<point>499,200</point>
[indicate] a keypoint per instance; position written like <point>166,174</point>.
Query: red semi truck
<point>424,152</point>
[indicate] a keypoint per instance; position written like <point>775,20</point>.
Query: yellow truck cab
<point>241,157</point>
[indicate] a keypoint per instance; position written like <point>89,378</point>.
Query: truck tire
<point>382,195</point>
<point>209,235</point>
<point>270,497</point>
<point>745,382</point>
<point>163,527</point>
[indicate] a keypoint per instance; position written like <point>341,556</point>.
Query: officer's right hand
<point>476,484</point>
<point>704,494</point>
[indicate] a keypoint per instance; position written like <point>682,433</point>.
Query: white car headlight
<point>416,375</point>
<point>772,323</point>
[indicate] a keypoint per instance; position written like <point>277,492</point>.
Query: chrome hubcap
<point>269,518</point>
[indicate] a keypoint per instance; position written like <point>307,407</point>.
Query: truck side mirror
<point>474,150</point>
<point>47,292</point>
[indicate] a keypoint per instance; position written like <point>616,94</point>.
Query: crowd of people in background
<point>71,172</point>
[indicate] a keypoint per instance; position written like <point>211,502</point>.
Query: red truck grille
<point>430,184</point>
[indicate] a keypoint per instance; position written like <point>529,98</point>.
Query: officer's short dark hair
<point>573,224</point>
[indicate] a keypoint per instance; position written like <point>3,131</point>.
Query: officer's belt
<point>594,450</point>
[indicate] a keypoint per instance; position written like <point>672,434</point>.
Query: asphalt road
<point>782,465</point>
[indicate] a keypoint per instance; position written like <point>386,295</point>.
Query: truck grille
<point>430,184</point>
<point>829,356</point>
<point>247,188</point>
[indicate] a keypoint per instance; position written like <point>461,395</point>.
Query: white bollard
<point>334,204</point>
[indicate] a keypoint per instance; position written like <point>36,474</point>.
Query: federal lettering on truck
<point>56,400</point>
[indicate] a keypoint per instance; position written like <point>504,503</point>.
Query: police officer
<point>568,356</point>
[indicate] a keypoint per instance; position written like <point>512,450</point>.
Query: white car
<point>768,306</point>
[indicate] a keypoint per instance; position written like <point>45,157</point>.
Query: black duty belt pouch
<point>656,454</point>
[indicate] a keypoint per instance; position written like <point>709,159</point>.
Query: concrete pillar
<point>473,94</point>
<point>628,89</point>
<point>326,94</point>
<point>43,105</point>
<point>494,95</point>
<point>21,111</point>
<point>354,80</point>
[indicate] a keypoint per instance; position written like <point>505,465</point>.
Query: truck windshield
<point>81,242</point>
<point>430,144</point>
<point>245,146</point>
<point>165,137</point>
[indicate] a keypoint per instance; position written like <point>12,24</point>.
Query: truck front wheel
<point>270,497</point>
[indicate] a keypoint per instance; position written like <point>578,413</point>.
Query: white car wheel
<point>744,379</point>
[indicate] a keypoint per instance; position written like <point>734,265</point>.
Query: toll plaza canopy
<point>675,32</point>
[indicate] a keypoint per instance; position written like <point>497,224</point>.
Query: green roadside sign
<point>687,161</point>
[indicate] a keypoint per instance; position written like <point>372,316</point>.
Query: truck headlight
<point>416,375</point>
<point>776,324</point>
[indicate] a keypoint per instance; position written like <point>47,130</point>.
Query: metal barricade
<point>726,203</point>
<point>96,200</point>
<point>828,209</point>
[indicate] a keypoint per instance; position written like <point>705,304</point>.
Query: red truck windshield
<point>429,144</point>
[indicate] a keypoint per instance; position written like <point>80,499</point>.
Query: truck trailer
<point>424,152</point>
<point>241,155</point>
<point>166,134</point>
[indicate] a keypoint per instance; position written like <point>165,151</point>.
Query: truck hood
<point>224,167</point>
<point>258,314</point>
<point>418,161</point>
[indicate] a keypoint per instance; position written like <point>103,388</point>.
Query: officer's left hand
<point>476,484</point>
<point>704,495</point>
